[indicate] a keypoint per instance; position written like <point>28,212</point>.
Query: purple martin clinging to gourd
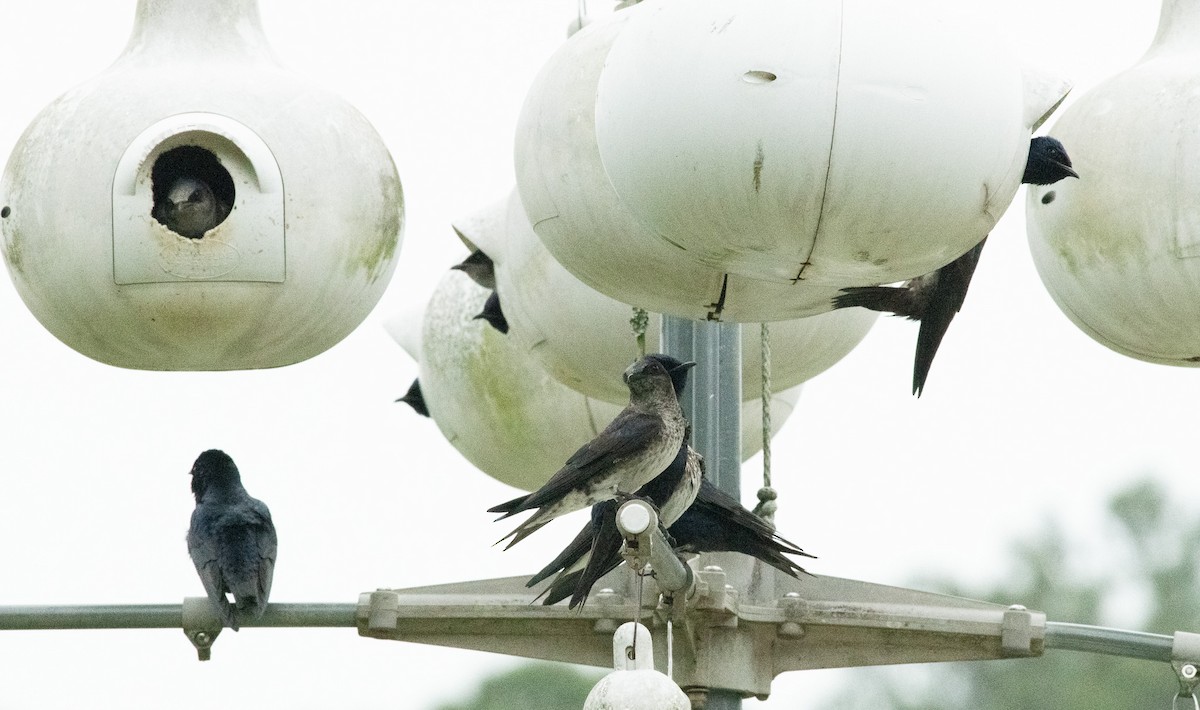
<point>492,314</point>
<point>231,539</point>
<point>638,445</point>
<point>190,208</point>
<point>415,399</point>
<point>480,268</point>
<point>935,298</point>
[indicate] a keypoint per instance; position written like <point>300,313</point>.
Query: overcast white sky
<point>1024,416</point>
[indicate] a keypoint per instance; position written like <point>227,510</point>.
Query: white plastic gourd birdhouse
<point>1119,249</point>
<point>585,339</point>
<point>196,206</point>
<point>683,156</point>
<point>634,684</point>
<point>498,407</point>
<point>501,411</point>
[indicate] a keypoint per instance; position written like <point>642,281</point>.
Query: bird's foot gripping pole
<point>200,625</point>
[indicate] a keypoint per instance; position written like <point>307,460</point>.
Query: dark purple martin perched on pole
<point>638,445</point>
<point>480,268</point>
<point>231,539</point>
<point>935,298</point>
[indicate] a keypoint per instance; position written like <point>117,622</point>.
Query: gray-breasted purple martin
<point>597,548</point>
<point>231,539</point>
<point>480,268</point>
<point>671,493</point>
<point>638,445</point>
<point>715,522</point>
<point>190,208</point>
<point>492,314</point>
<point>935,298</point>
<point>415,399</point>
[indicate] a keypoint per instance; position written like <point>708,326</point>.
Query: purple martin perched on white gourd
<point>492,314</point>
<point>190,208</point>
<point>638,445</point>
<point>231,540</point>
<point>715,522</point>
<point>935,298</point>
<point>415,399</point>
<point>480,268</point>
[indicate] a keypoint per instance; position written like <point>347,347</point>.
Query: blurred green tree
<point>1148,577</point>
<point>533,686</point>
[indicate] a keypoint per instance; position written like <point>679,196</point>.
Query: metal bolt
<point>1017,607</point>
<point>1189,671</point>
<point>792,595</point>
<point>712,568</point>
<point>203,639</point>
<point>791,629</point>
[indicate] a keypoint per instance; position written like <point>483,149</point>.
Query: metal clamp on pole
<point>1185,659</point>
<point>645,543</point>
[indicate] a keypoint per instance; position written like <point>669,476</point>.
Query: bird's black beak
<point>684,366</point>
<point>1068,170</point>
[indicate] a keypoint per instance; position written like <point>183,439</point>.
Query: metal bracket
<point>1016,632</point>
<point>200,625</point>
<point>1185,659</point>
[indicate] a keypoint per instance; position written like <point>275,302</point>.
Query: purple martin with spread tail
<point>935,298</point>
<point>638,445</point>
<point>715,522</point>
<point>492,314</point>
<point>671,493</point>
<point>415,399</point>
<point>190,208</point>
<point>480,268</point>
<point>231,539</point>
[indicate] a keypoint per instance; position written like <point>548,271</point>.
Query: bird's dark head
<point>1047,162</point>
<point>648,375</point>
<point>677,369</point>
<point>213,467</point>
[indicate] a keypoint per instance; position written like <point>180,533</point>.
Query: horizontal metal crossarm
<point>741,624</point>
<point>164,616</point>
<point>1112,642</point>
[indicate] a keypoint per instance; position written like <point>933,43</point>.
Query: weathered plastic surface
<point>498,407</point>
<point>300,261</point>
<point>682,156</point>
<point>1119,248</point>
<point>584,338</point>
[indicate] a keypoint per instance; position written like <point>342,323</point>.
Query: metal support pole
<point>712,402</point>
<point>166,616</point>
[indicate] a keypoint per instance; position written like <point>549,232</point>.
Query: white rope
<point>766,495</point>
